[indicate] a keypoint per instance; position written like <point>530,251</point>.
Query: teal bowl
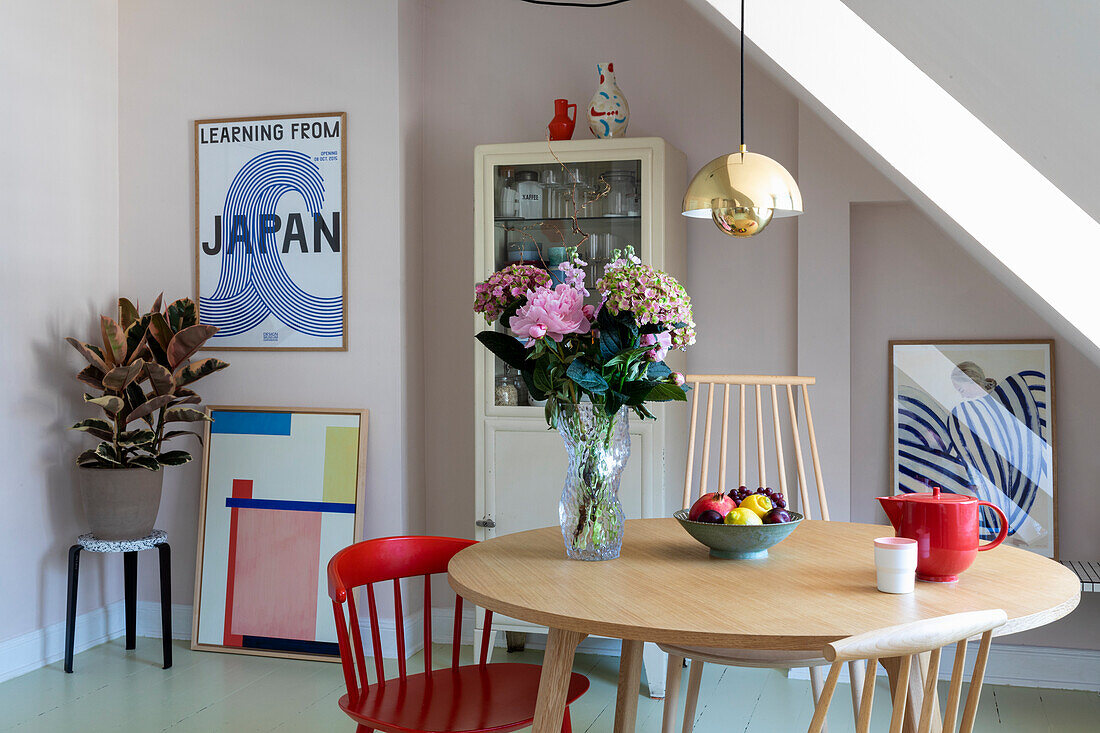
<point>738,541</point>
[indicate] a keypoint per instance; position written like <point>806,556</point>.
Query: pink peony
<point>677,379</point>
<point>663,342</point>
<point>555,312</point>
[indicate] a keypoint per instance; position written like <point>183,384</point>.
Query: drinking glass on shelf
<point>621,199</point>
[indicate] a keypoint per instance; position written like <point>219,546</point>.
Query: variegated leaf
<point>145,462</point>
<point>197,370</point>
<point>110,403</point>
<point>97,427</point>
<point>162,332</point>
<point>157,304</point>
<point>174,458</point>
<point>91,353</point>
<point>91,376</point>
<point>121,376</point>
<point>107,452</point>
<point>114,340</point>
<point>182,314</point>
<point>136,437</point>
<point>160,379</point>
<point>127,313</point>
<point>180,433</point>
<point>184,414</point>
<point>88,458</point>
<point>187,342</point>
<point>149,407</point>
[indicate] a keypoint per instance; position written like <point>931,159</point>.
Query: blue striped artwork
<point>993,445</point>
<point>253,283</point>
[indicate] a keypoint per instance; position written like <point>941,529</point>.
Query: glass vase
<point>591,515</point>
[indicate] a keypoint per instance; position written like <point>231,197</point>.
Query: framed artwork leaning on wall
<point>977,417</point>
<point>282,492</point>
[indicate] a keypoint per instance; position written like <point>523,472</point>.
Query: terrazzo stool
<point>130,548</point>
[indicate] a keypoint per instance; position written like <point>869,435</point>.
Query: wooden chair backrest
<point>900,643</point>
<point>758,388</point>
<point>391,559</point>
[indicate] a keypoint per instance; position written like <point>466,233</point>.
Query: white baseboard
<point>1020,666</point>
<point>28,652</point>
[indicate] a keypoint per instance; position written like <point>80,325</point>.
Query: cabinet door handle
<point>486,523</point>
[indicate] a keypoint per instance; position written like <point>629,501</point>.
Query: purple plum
<point>710,517</point>
<point>777,516</point>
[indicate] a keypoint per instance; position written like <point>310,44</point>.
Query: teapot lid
<point>939,497</point>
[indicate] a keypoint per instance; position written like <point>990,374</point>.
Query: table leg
<point>129,580</point>
<point>166,603</point>
<point>630,677</point>
<point>70,609</point>
<point>557,666</point>
<point>915,697</point>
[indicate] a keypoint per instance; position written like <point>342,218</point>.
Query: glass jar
<point>506,193</point>
<point>528,195</point>
<point>622,198</point>
<point>510,389</point>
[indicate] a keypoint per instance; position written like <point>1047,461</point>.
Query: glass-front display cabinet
<point>534,201</point>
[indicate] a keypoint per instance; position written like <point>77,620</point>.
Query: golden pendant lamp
<point>742,192</point>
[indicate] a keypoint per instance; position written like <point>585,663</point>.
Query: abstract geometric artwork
<point>270,240</point>
<point>977,418</point>
<point>282,491</point>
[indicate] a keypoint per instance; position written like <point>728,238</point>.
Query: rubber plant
<point>142,376</point>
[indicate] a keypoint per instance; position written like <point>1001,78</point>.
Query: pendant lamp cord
<point>742,74</point>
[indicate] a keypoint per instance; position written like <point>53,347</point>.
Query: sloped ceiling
<point>1026,230</point>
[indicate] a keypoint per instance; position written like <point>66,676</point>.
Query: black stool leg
<point>70,611</point>
<point>129,564</point>
<point>166,601</point>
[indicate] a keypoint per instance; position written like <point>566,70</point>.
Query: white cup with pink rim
<point>895,564</point>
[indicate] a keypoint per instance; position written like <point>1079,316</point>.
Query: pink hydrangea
<point>554,312</point>
<point>662,341</point>
<point>503,287</point>
<point>651,295</point>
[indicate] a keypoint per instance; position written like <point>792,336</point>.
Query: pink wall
<point>59,205</point>
<point>492,70</point>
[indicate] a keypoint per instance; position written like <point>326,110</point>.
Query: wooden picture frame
<point>995,430</point>
<point>282,541</point>
<point>321,319</point>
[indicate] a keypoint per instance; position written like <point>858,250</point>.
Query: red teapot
<point>945,526</point>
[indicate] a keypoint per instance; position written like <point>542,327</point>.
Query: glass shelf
<point>512,220</point>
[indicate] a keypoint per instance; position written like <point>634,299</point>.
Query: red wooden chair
<point>472,698</point>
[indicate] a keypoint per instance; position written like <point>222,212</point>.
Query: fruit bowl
<point>738,541</point>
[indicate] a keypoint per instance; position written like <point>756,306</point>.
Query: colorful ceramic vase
<point>561,127</point>
<point>608,112</point>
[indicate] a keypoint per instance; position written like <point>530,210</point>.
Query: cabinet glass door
<point>540,210</point>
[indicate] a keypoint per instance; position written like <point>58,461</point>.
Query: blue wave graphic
<point>993,447</point>
<point>253,283</point>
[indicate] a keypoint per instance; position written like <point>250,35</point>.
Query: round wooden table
<point>816,586</point>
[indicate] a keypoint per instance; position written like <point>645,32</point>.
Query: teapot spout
<point>892,506</point>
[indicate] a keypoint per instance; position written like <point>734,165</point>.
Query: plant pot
<point>591,515</point>
<point>120,503</point>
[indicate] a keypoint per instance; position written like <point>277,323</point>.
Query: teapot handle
<point>572,108</point>
<point>1004,527</point>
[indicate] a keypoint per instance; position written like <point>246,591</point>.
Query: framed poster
<point>977,418</point>
<point>282,492</point>
<point>270,231</point>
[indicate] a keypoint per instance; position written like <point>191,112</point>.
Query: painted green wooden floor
<point>115,690</point>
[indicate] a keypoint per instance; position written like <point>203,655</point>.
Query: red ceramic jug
<point>945,526</point>
<point>561,127</point>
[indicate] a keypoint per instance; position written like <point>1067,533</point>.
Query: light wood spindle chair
<point>750,392</point>
<point>896,646</point>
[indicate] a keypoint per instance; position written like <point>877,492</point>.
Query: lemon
<point>742,516</point>
<point>757,503</point>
